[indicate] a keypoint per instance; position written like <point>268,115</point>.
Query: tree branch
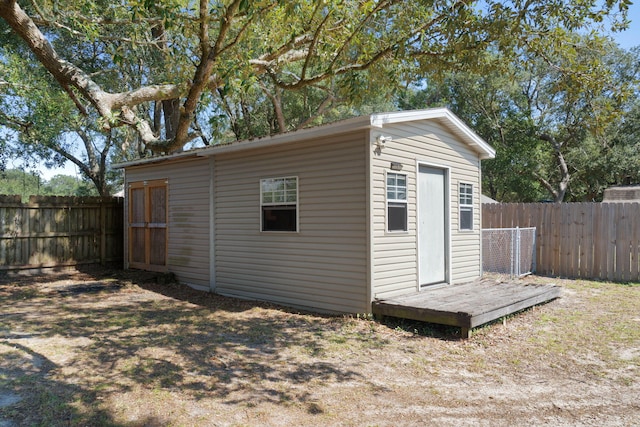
<point>546,184</point>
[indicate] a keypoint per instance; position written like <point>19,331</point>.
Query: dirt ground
<point>114,348</point>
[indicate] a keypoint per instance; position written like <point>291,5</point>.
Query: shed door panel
<point>157,225</point>
<point>148,225</point>
<point>432,225</point>
<point>137,226</point>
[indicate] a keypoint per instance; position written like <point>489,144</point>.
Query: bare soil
<point>114,348</point>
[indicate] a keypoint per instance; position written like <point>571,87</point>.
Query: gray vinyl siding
<point>395,255</point>
<point>322,266</point>
<point>188,222</point>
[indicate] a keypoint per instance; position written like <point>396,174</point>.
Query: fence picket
<point>55,231</point>
<point>586,245</point>
<point>566,254</point>
<point>556,248</point>
<point>623,245</point>
<point>610,235</point>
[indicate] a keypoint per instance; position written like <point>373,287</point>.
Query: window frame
<point>286,204</point>
<point>464,197</point>
<point>396,202</point>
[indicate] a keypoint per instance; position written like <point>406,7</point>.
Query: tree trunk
<point>563,185</point>
<point>171,110</point>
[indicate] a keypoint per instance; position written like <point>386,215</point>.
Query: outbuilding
<point>329,218</point>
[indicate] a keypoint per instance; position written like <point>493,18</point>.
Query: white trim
<point>447,179</point>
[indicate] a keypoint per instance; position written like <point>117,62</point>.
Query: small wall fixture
<point>396,166</point>
<point>381,140</point>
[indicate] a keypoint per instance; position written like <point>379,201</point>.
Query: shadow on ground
<point>70,344</point>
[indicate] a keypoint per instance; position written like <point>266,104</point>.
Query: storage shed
<point>328,218</point>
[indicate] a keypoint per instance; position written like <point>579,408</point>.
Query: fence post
<point>517,258</point>
<point>511,273</point>
<point>534,255</point>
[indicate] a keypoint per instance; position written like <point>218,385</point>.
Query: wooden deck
<point>466,305</point>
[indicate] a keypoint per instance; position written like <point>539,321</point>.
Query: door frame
<point>447,221</point>
<point>147,185</point>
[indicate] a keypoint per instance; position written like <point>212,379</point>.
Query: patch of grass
<point>16,292</point>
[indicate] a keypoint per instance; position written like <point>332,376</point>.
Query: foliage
<point>66,185</point>
<point>15,181</point>
<point>159,68</point>
<point>550,121</point>
<point>42,126</point>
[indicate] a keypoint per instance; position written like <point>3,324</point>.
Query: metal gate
<point>509,250</point>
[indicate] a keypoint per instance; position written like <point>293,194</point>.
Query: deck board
<point>467,305</point>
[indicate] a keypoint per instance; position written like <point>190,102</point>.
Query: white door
<point>433,232</point>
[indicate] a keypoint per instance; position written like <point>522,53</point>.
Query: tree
<point>491,103</point>
<point>547,116</point>
<point>16,181</point>
<point>40,123</point>
<point>159,69</point>
<point>66,185</point>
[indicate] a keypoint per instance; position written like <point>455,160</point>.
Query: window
<point>396,202</point>
<point>279,204</point>
<point>466,206</point>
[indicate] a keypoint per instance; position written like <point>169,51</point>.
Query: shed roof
<point>623,193</point>
<point>443,116</point>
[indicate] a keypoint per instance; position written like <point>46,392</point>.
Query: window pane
<point>397,217</point>
<point>268,185</point>
<point>396,186</point>
<point>466,194</point>
<point>466,218</point>
<point>279,190</point>
<point>279,218</point>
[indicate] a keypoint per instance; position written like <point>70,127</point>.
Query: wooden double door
<point>148,225</point>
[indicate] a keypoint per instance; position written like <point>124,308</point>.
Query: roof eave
<point>157,159</point>
<point>344,126</point>
<point>484,150</point>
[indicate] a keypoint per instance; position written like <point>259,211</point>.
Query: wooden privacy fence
<point>580,240</point>
<point>60,231</point>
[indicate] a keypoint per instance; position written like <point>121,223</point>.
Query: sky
<point>631,37</point>
<point>626,39</point>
